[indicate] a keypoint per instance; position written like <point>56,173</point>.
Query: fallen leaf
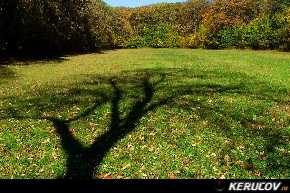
<point>260,154</point>
<point>105,176</point>
<point>231,142</point>
<point>54,155</point>
<point>239,162</point>
<point>228,158</point>
<point>241,148</point>
<point>130,146</point>
<point>215,169</point>
<point>143,147</point>
<point>150,147</point>
<point>222,177</point>
<point>172,176</point>
<point>91,124</point>
<point>124,166</point>
<point>6,172</point>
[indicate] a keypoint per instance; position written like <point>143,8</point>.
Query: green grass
<point>147,113</point>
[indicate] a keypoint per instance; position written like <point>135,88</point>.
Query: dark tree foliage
<point>38,28</point>
<point>45,28</point>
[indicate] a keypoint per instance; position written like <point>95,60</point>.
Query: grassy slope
<point>147,113</point>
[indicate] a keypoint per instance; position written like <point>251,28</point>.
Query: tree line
<point>30,28</point>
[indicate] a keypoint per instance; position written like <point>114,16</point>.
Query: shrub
<point>266,33</point>
<point>171,40</point>
<point>193,41</point>
<point>136,42</point>
<point>285,31</point>
<point>226,37</point>
<point>240,37</point>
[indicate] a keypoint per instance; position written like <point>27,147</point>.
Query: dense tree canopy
<point>42,28</point>
<point>52,27</point>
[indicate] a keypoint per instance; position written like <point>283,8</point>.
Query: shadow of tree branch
<point>82,161</point>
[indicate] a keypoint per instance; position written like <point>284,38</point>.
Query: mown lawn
<point>147,113</point>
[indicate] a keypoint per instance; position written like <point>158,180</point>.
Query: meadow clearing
<point>147,114</point>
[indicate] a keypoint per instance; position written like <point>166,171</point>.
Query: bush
<point>266,33</point>
<point>193,41</point>
<point>136,42</point>
<point>226,37</point>
<point>285,45</point>
<point>171,40</point>
<point>233,37</point>
<point>240,37</point>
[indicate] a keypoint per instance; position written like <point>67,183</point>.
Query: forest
<point>35,28</point>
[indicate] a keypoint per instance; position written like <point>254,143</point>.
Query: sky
<point>137,3</point>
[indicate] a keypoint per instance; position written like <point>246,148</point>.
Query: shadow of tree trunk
<point>82,161</point>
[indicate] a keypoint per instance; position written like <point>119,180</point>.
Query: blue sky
<point>137,3</point>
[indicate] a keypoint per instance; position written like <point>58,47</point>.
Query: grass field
<point>147,113</point>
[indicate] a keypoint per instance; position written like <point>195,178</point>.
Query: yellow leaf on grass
<point>172,176</point>
<point>239,162</point>
<point>124,166</point>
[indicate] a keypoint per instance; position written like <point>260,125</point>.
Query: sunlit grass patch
<point>147,113</point>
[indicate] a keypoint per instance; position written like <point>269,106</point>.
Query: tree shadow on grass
<point>29,61</point>
<point>154,90</point>
<point>82,161</point>
<point>55,58</point>
<point>6,73</point>
<point>272,133</point>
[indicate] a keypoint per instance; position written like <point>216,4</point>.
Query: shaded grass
<point>148,113</point>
